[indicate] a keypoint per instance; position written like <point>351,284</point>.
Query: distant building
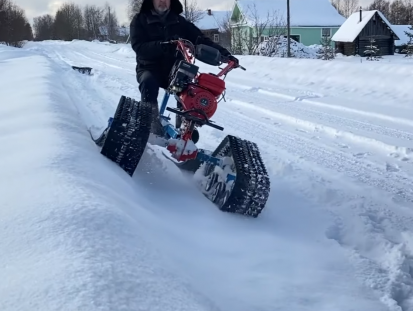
<point>310,20</point>
<point>211,24</point>
<point>353,37</point>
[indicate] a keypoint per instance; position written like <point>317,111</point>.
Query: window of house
<point>295,37</point>
<point>326,32</point>
<point>216,37</point>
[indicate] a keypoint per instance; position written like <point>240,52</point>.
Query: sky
<point>35,8</point>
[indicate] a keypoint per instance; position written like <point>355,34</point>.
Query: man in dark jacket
<point>158,21</point>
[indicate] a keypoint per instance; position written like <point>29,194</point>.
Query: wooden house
<point>211,24</point>
<point>353,37</point>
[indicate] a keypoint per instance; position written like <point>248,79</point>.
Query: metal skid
<point>172,133</point>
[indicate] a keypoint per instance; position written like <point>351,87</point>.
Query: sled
<point>84,70</point>
<point>233,176</point>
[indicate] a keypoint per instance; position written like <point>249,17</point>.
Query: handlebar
<point>225,59</point>
<point>169,42</point>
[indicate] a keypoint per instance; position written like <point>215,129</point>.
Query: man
<point>158,21</point>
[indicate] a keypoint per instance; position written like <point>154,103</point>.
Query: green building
<point>254,21</point>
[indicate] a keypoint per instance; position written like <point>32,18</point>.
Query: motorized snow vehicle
<point>235,177</point>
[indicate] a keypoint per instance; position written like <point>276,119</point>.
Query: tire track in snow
<point>297,110</point>
<point>329,158</point>
<point>133,63</point>
<point>299,100</point>
<point>390,273</point>
<point>398,152</point>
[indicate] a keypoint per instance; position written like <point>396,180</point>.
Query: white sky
<point>35,8</point>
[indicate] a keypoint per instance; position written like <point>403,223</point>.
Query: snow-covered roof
<point>352,27</point>
<point>213,21</point>
<point>302,12</point>
<point>400,32</point>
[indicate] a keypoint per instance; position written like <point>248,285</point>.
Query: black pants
<point>149,84</point>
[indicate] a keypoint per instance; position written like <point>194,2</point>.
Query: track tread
<point>128,134</point>
<point>252,184</point>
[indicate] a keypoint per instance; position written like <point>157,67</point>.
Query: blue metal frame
<point>164,103</point>
<point>201,156</point>
<point>173,133</point>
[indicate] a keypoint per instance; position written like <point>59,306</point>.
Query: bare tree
<point>14,26</point>
<point>134,7</point>
<point>381,5</point>
<point>397,12</point>
<point>272,24</point>
<point>192,12</point>
<point>346,7</point>
<point>276,31</point>
<point>43,27</point>
<point>110,22</point>
<point>93,18</point>
<point>68,23</point>
<point>227,33</point>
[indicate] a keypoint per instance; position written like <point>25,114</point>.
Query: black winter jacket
<point>147,30</point>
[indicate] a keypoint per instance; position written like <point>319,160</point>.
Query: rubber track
<point>127,137</point>
<point>252,184</point>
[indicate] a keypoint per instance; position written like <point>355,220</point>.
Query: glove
<point>234,59</point>
<point>168,49</point>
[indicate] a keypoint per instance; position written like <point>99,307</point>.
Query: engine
<point>195,97</point>
<point>196,92</point>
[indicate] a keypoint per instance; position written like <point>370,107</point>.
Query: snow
<point>352,27</point>
<point>214,21</point>
<point>303,13</point>
<point>77,233</point>
<point>277,47</point>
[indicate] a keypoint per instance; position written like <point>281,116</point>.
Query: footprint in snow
<point>361,155</point>
<point>392,167</point>
<point>344,146</point>
<point>399,157</point>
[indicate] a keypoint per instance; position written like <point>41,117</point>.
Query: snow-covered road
<point>337,233</point>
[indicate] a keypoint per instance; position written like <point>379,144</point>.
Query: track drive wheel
<point>249,192</point>
<point>127,136</point>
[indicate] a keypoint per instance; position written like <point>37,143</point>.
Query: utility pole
<point>288,30</point>
<point>109,26</point>
<point>186,8</point>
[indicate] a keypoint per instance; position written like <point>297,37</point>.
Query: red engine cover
<point>212,83</point>
<point>198,98</point>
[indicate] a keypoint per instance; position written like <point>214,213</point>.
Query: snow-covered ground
<point>77,233</point>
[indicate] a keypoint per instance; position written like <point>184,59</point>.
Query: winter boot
<point>156,126</point>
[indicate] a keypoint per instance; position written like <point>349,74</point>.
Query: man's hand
<point>234,59</point>
<point>226,58</point>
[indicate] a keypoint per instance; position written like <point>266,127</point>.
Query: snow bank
<point>67,239</point>
<point>350,74</point>
<point>277,47</point>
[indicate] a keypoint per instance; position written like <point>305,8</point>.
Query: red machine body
<point>199,97</point>
<point>203,94</point>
